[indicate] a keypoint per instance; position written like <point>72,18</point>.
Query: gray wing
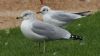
<point>62,17</point>
<point>48,30</point>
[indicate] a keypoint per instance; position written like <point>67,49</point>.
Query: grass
<point>13,43</point>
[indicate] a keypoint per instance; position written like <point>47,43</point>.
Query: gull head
<point>44,10</point>
<point>26,15</point>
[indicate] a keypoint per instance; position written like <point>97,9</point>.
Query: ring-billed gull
<point>38,30</point>
<point>59,18</point>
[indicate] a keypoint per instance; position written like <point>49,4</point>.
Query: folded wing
<point>50,31</point>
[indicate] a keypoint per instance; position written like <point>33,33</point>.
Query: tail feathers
<point>85,13</point>
<point>76,37</point>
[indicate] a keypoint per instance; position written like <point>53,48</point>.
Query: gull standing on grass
<point>59,18</point>
<point>40,31</point>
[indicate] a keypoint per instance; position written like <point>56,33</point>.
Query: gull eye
<point>26,14</point>
<point>44,10</point>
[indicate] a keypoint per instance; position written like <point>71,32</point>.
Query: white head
<point>28,14</point>
<point>44,10</point>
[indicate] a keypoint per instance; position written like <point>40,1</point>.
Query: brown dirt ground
<point>9,10</point>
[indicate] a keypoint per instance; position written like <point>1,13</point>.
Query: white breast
<point>26,28</point>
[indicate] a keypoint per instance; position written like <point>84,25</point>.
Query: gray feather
<point>62,17</point>
<point>48,30</point>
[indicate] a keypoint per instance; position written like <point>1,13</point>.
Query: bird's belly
<point>26,30</point>
<point>31,35</point>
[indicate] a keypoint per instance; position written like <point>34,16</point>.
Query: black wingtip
<point>85,13</point>
<point>76,37</point>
